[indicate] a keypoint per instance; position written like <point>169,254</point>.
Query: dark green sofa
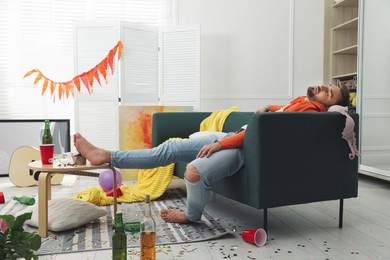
<point>290,158</point>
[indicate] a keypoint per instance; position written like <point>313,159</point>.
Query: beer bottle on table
<point>148,233</point>
<point>47,138</point>
<point>119,240</point>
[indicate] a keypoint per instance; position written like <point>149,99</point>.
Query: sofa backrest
<point>294,158</point>
<point>236,120</point>
<point>166,125</point>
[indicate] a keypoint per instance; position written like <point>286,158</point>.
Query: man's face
<point>326,95</point>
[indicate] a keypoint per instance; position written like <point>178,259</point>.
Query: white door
<point>374,107</point>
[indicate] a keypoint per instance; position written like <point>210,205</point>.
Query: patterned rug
<point>97,235</point>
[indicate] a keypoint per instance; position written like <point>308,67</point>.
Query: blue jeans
<point>218,166</point>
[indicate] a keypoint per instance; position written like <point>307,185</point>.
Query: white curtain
<point>39,34</point>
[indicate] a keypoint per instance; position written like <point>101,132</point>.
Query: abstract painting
<point>135,129</point>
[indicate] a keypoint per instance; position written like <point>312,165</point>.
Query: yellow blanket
<point>152,181</point>
<point>215,121</point>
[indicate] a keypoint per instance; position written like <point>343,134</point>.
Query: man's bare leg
<point>173,216</point>
<point>93,154</point>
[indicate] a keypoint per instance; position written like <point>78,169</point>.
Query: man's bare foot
<point>173,216</point>
<point>92,153</point>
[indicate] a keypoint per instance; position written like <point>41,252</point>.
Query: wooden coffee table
<point>44,186</point>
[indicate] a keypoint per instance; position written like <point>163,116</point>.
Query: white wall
<point>256,52</point>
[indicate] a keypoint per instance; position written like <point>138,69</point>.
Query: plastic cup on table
<point>47,153</point>
<point>256,237</point>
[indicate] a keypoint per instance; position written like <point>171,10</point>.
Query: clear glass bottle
<point>47,138</point>
<point>148,233</point>
<point>119,239</point>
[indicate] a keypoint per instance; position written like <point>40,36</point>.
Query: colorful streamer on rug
<point>85,78</point>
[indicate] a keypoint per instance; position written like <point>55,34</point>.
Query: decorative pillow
<point>66,213</point>
<point>200,134</point>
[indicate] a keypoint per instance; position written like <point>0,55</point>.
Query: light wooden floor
<point>299,232</point>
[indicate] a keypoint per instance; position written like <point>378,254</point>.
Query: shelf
<point>348,50</point>
<point>349,25</point>
<point>344,76</point>
<point>346,3</point>
<point>343,39</point>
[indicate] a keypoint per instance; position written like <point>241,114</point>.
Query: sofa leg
<point>341,209</point>
<point>265,223</point>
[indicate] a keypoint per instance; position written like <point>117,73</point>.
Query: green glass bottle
<point>47,138</point>
<point>119,240</point>
<point>25,200</point>
<point>148,233</point>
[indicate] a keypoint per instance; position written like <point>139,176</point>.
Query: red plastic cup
<point>47,153</point>
<point>2,198</point>
<point>256,237</point>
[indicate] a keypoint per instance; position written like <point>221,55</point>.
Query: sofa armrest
<point>298,157</point>
<point>167,125</point>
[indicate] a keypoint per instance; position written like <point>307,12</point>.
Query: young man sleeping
<point>210,157</point>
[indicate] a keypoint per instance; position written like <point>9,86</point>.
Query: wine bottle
<point>47,138</point>
<point>119,240</point>
<point>148,233</point>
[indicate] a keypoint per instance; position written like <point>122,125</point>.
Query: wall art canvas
<point>135,129</point>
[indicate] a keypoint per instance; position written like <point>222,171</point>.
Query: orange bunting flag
<point>52,87</point>
<point>45,86</point>
<point>84,79</point>
<point>87,78</point>
<point>96,75</point>
<point>76,81</point>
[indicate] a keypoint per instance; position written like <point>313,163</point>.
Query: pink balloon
<point>106,179</point>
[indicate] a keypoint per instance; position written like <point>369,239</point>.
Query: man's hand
<point>209,149</point>
<point>263,109</point>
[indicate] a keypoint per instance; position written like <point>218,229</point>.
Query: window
<point>39,34</point>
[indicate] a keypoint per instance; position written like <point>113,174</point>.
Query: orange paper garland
<point>87,78</point>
